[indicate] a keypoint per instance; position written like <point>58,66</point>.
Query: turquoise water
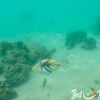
<point>18,17</point>
<point>47,22</point>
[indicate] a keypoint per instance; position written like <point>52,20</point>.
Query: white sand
<point>80,73</point>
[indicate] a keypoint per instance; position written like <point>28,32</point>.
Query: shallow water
<point>47,22</point>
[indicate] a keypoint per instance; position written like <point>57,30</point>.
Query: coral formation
<point>75,37</point>
<point>44,53</point>
<point>16,74</point>
<point>80,38</point>
<point>17,58</point>
<point>6,92</point>
<point>89,44</point>
<point>16,61</point>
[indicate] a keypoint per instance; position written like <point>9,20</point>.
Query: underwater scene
<point>50,50</point>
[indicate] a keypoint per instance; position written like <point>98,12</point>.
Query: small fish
<point>44,83</point>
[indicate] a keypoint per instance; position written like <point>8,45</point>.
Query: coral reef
<point>75,37</point>
<point>89,44</point>
<point>16,74</point>
<point>6,92</point>
<point>44,53</point>
<point>80,38</point>
<point>16,61</point>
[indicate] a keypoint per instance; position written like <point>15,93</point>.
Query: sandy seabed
<point>79,69</point>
